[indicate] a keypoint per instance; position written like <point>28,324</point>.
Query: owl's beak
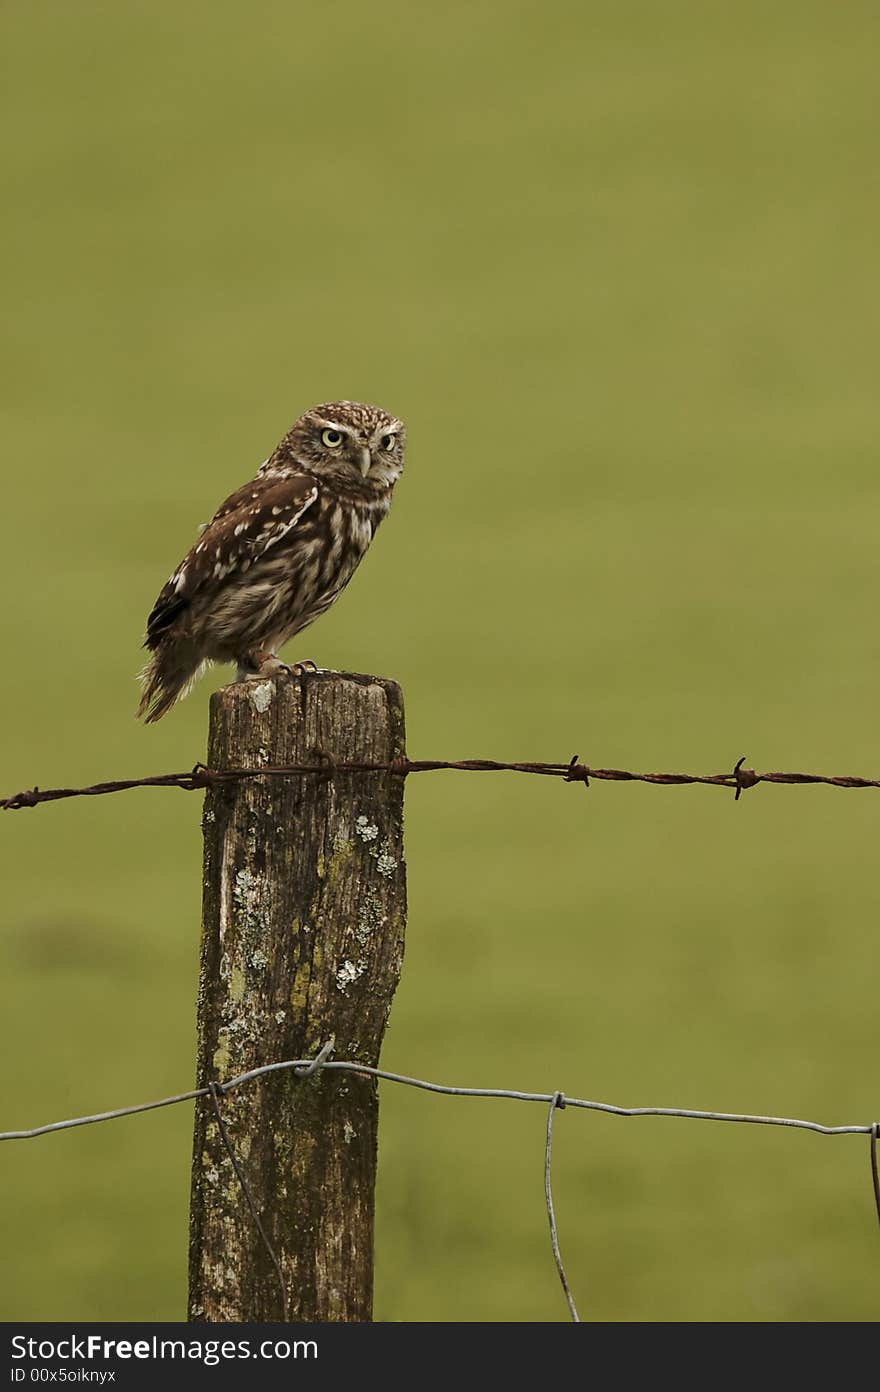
<point>365,460</point>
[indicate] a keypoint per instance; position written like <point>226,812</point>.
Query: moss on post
<point>302,939</point>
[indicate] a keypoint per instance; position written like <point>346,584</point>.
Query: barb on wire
<point>557,1100</point>
<point>199,777</point>
<point>216,1092</point>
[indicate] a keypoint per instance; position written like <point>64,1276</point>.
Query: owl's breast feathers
<point>277,553</point>
<point>245,526</point>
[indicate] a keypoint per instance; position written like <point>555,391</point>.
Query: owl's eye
<point>332,438</point>
<point>388,442</point>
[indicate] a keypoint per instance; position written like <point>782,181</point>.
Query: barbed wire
<point>200,776</point>
<point>321,1062</point>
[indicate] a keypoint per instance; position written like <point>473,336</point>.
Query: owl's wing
<point>240,532</point>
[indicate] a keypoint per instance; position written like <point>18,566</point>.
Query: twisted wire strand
<point>200,776</point>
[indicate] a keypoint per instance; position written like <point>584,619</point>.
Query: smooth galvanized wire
<point>330,1065</point>
<point>557,1100</point>
<point>200,777</point>
<point>322,1063</point>
<point>875,1172</point>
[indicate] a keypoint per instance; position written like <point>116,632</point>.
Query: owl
<point>277,553</point>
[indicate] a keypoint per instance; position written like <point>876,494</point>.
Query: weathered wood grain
<point>302,938</point>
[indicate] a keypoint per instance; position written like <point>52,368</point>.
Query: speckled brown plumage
<point>277,552</point>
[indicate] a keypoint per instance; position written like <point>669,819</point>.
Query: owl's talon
<point>259,666</point>
<point>272,666</point>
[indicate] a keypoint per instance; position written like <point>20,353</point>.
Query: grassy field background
<point>616,265</point>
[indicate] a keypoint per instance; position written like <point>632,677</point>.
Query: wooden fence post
<point>302,939</point>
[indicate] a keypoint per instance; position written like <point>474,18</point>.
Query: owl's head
<point>350,442</point>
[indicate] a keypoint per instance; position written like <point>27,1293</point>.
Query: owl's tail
<point>170,674</point>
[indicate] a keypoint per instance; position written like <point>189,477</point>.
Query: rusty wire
<point>200,777</point>
<point>321,1062</point>
<point>739,779</point>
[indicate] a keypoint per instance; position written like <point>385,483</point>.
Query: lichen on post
<point>302,940</point>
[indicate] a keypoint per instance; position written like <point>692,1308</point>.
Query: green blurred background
<point>616,264</point>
